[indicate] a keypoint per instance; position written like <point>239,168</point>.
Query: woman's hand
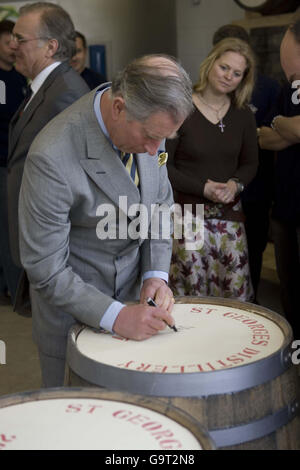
<point>220,192</point>
<point>212,190</point>
<point>227,194</point>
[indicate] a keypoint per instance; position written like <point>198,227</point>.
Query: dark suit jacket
<point>61,88</point>
<point>92,78</point>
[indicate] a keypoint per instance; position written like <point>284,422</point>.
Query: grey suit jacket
<point>61,88</point>
<point>70,173</point>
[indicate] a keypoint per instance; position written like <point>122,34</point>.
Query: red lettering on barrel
<point>124,414</point>
<point>73,408</point>
<point>151,423</point>
<point>137,419</point>
<point>234,359</point>
<point>170,444</point>
<point>196,310</point>
<point>125,365</point>
<point>247,352</point>
<point>160,368</point>
<point>5,440</point>
<point>143,367</point>
<point>119,337</point>
<point>93,407</point>
<point>222,363</point>
<point>158,435</point>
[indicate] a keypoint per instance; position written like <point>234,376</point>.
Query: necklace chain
<point>217,111</point>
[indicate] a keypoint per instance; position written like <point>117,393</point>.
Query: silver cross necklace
<point>221,124</point>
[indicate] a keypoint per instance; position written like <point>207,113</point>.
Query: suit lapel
<point>17,123</point>
<point>147,168</point>
<point>104,166</point>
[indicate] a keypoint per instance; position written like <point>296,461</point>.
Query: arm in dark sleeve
<point>248,160</point>
<point>180,181</point>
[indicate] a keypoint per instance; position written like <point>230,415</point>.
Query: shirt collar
<point>98,113</point>
<point>38,81</point>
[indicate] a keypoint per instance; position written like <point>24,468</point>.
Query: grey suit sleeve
<point>44,205</point>
<point>157,249</point>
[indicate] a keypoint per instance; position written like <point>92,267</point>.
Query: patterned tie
<point>129,162</point>
<point>26,99</point>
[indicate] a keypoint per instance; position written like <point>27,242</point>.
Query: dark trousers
<point>257,228</point>
<point>286,238</point>
<point>11,272</point>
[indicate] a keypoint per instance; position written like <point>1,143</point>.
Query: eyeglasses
<point>19,39</point>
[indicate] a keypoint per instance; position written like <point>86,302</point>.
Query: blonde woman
<point>212,159</point>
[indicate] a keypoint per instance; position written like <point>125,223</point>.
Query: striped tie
<point>129,162</point>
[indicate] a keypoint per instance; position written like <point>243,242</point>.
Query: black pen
<point>153,304</point>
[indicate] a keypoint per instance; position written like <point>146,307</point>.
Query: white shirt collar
<point>38,81</point>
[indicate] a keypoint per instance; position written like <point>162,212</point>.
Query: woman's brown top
<point>201,151</point>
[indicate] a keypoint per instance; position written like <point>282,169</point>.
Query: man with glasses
<point>43,41</point>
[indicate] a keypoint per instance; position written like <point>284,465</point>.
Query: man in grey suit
<point>43,41</point>
<point>79,246</point>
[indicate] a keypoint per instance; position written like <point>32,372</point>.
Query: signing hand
<point>158,290</point>
<point>141,321</point>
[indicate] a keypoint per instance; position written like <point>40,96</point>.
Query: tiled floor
<point>21,371</point>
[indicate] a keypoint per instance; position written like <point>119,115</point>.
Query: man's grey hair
<point>55,23</point>
<point>154,83</point>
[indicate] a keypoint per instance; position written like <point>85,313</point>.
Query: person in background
<point>106,148</point>
<point>13,88</point>
<point>282,134</point>
<point>210,162</point>
<point>257,197</point>
<point>43,42</point>
<point>78,62</point>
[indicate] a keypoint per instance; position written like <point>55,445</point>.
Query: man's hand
<point>158,290</point>
<point>141,321</point>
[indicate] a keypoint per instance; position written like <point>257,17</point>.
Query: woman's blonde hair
<point>242,94</point>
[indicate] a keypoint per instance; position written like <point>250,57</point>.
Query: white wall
<point>128,28</point>
<point>196,24</point>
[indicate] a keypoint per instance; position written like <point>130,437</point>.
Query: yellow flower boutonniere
<point>162,158</point>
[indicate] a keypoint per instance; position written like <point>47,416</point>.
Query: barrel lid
<point>212,337</point>
<point>69,419</point>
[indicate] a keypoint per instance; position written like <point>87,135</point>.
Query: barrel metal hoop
<point>195,384</point>
<point>255,429</point>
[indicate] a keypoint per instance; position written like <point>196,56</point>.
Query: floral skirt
<point>219,268</point>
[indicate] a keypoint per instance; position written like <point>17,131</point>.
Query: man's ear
<point>52,47</point>
<point>118,106</point>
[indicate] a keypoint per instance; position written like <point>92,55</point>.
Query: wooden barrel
<point>94,419</point>
<point>229,365</point>
<point>269,7</point>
